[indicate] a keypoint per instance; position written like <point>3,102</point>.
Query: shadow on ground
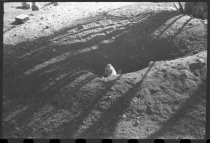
<point>35,70</point>
<point>34,62</point>
<point>106,124</point>
<point>188,106</point>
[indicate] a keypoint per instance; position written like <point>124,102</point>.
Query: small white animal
<point>109,70</point>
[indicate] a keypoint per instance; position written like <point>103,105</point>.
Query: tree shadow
<point>47,4</point>
<point>181,29</point>
<point>169,25</point>
<point>187,106</point>
<point>35,70</point>
<point>69,129</point>
<point>40,101</point>
<point>166,49</point>
<point>106,124</point>
<point>14,23</point>
<point>22,7</point>
<point>45,52</point>
<point>10,126</point>
<point>9,29</point>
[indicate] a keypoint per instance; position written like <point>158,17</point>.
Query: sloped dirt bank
<point>53,85</point>
<point>164,100</point>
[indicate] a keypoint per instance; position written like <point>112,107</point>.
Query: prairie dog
<point>109,70</point>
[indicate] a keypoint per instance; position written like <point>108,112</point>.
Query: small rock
<point>79,27</point>
<point>91,73</point>
<point>21,18</point>
<point>148,129</point>
<point>15,35</point>
<point>190,24</point>
<point>135,100</point>
<point>124,116</point>
<point>106,42</point>
<point>195,66</point>
<point>135,124</point>
<point>195,52</point>
<point>46,27</point>
<point>31,14</point>
<point>205,21</point>
<point>34,8</point>
<point>164,70</point>
<point>41,18</point>
<point>200,60</point>
<point>150,63</point>
<point>55,3</point>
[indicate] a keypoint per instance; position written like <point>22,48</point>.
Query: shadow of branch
<point>106,124</point>
<point>187,106</point>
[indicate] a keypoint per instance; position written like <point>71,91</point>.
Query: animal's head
<point>109,65</point>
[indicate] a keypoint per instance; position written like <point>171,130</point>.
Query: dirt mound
<point>53,85</point>
<point>160,101</point>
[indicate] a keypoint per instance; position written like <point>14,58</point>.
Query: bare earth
<point>53,65</point>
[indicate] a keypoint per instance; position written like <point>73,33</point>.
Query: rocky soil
<point>53,67</point>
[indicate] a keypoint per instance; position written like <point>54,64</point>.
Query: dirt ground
<point>53,66</point>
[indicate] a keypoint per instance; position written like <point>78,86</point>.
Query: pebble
<point>21,18</point>
<point>135,124</point>
<point>190,24</point>
<point>151,62</point>
<point>124,116</point>
<point>200,60</point>
<point>205,22</point>
<point>46,27</point>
